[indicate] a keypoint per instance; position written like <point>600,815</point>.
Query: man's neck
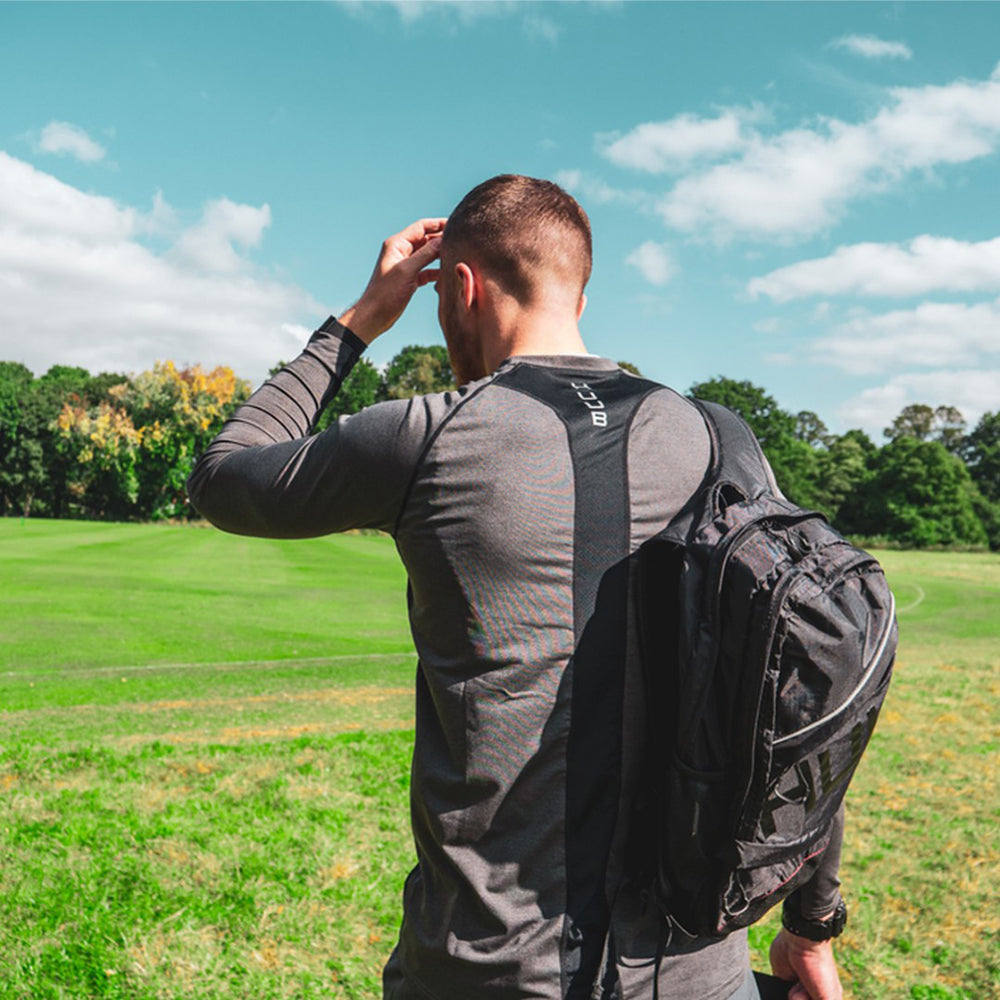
<point>537,332</point>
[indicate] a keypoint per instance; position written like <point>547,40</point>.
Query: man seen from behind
<point>515,502</point>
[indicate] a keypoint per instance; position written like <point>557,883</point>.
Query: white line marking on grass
<point>920,596</point>
<point>223,665</point>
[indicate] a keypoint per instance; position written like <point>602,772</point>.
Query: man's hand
<point>810,962</point>
<point>400,270</point>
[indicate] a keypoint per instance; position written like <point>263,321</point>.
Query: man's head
<point>527,234</point>
<point>526,242</point>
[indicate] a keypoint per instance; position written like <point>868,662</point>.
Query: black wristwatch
<point>815,930</point>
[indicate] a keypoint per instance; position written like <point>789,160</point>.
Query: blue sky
<point>803,195</point>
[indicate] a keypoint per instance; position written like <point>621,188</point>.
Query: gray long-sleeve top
<point>514,503</point>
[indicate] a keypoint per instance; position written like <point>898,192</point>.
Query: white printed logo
<point>598,413</point>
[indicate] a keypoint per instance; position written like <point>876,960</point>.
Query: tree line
<point>120,447</point>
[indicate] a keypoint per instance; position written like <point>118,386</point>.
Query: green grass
<point>204,754</point>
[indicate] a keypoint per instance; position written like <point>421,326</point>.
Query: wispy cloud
<point>924,264</point>
<point>595,190</point>
<point>654,262</point>
<point>224,226</point>
<point>674,144</point>
<point>800,181</point>
<point>79,285</point>
<point>872,47</point>
<point>65,139</point>
<point>973,391</point>
<point>933,335</point>
<point>463,13</point>
<point>541,28</point>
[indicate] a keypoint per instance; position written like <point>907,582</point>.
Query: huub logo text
<point>598,412</point>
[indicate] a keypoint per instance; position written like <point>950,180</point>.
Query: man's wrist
<point>357,320</point>
<point>813,929</point>
<point>347,337</point>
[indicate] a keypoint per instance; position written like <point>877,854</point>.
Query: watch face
<point>839,919</point>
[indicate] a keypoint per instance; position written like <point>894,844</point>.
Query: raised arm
<point>264,474</point>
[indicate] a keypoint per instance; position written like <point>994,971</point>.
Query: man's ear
<point>581,306</point>
<point>468,285</point>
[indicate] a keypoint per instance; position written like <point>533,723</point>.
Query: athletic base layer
<point>515,503</point>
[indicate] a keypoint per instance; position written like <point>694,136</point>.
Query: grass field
<point>204,752</point>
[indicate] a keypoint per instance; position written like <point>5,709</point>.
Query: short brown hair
<point>519,229</point>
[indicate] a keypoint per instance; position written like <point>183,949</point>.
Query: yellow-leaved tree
<point>133,451</point>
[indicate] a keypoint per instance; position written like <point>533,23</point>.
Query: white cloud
<point>541,28</point>
<point>66,139</point>
<point>871,47</point>
<point>934,334</point>
<point>973,391</point>
<point>654,262</point>
<point>461,13</point>
<point>800,181</point>
<point>672,145</point>
<point>924,264</point>
<point>37,202</point>
<point>80,288</point>
<point>597,191</point>
<point>162,218</point>
<point>210,244</point>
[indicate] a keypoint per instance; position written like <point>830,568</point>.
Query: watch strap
<point>814,930</point>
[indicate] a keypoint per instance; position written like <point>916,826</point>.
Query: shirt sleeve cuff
<point>336,329</point>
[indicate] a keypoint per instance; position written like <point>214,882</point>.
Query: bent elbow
<point>199,489</point>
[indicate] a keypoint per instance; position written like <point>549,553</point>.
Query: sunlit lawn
<point>204,759</point>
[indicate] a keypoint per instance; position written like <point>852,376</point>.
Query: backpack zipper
<point>777,601</point>
<point>869,670</point>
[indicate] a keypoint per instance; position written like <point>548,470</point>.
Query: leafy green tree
<point>844,468</point>
<point>922,495</point>
<point>794,462</point>
<point>914,421</point>
<point>417,370</point>
<point>129,453</point>
<point>918,420</point>
<point>15,385</point>
<point>810,429</point>
<point>360,389</point>
<point>177,412</point>
<point>101,445</point>
<point>981,451</point>
<point>54,493</point>
<point>949,428</point>
<point>771,424</point>
<point>35,466</point>
<point>988,512</point>
<point>629,367</point>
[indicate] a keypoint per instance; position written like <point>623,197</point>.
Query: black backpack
<point>767,645</point>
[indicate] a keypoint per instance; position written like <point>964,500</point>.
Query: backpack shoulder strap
<point>737,459</point>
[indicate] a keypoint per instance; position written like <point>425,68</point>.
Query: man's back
<point>515,535</point>
<point>515,503</point>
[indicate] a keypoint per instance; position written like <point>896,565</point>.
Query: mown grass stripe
<point>220,665</point>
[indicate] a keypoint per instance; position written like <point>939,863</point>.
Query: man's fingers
<point>428,275</point>
<point>423,255</point>
<point>417,232</point>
